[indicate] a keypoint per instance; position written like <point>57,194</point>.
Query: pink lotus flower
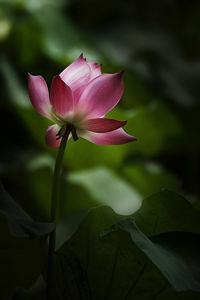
<point>80,97</point>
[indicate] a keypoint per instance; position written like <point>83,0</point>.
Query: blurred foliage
<point>157,44</point>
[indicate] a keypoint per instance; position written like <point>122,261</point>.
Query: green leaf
<point>110,267</point>
<point>73,197</point>
<point>20,223</point>
<point>176,254</point>
<point>67,226</point>
<point>167,211</point>
<point>108,189</point>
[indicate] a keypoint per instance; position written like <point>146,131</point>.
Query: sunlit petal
<point>77,75</point>
<point>39,94</point>
<point>101,94</point>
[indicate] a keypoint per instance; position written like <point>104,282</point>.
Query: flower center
<point>72,121</point>
<point>63,129</point>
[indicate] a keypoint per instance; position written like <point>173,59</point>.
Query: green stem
<point>54,203</point>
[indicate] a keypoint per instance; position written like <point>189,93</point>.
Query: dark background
<point>157,43</point>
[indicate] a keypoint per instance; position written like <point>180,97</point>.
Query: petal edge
<point>77,75</point>
<point>115,137</point>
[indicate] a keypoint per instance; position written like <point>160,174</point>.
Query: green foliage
<point>160,55</point>
<point>130,262</point>
<point>173,249</point>
<point>20,223</point>
<point>67,226</point>
<point>107,189</point>
<point>167,211</point>
<point>160,129</point>
<point>176,259</point>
